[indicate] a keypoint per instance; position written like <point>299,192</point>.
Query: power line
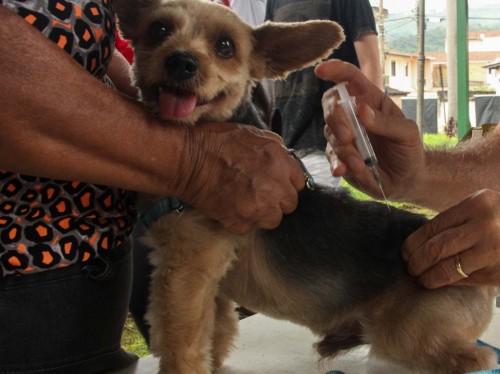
<point>399,19</point>
<point>400,26</point>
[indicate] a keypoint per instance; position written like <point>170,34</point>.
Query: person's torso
<point>298,97</point>
<point>46,224</point>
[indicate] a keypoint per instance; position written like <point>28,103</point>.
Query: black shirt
<point>298,97</point>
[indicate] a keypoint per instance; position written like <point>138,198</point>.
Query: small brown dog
<point>334,265</point>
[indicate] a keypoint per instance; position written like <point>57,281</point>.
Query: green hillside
<point>401,29</point>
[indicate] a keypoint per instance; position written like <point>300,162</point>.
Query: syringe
<point>348,103</point>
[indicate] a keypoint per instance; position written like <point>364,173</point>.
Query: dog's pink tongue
<point>174,106</point>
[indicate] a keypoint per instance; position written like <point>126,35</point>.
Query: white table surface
<point>269,346</point>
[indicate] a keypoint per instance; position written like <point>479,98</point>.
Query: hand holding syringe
<point>361,137</point>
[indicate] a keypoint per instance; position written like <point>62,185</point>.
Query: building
<point>493,75</point>
<point>401,71</point>
<point>484,66</point>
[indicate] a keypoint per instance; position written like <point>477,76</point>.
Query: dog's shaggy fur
<point>334,265</point>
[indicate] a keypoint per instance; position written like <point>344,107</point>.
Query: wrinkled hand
<point>470,229</point>
<point>241,176</point>
<point>395,139</point>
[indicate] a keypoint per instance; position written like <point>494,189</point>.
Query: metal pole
<point>421,66</point>
<point>463,119</point>
<point>381,40</point>
<point>451,52</point>
<point>443,98</point>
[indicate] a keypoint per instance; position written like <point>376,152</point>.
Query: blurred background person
<point>298,115</point>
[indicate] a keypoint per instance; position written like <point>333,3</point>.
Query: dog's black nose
<point>181,66</point>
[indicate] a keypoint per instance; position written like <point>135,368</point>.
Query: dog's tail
<point>334,345</point>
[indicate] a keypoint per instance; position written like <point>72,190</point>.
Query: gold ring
<point>458,267</point>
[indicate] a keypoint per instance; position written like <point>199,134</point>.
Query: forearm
<point>373,73</point>
<point>451,175</point>
<point>369,58</point>
<point>58,121</point>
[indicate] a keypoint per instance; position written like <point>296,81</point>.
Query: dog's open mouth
<point>178,104</point>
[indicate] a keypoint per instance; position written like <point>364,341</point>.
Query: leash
<point>160,208</point>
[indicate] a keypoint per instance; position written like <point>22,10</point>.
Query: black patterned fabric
<point>46,224</point>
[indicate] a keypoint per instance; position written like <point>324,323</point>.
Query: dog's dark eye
<point>159,31</point>
<point>224,47</point>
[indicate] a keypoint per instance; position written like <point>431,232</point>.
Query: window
<point>407,70</point>
<point>393,68</point>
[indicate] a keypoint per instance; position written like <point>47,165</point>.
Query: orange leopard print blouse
<point>47,224</point>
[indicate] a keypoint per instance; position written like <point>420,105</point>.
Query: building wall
<point>477,73</point>
<point>485,43</point>
<point>402,72</point>
<point>493,79</point>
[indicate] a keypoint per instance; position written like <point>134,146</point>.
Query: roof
<point>474,57</point>
<point>493,65</point>
<point>476,35</point>
<point>391,91</point>
<point>405,54</point>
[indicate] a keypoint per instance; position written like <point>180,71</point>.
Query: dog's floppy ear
<point>280,48</point>
<point>127,12</point>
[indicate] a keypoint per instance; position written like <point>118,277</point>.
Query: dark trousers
<point>142,277</point>
<point>67,320</point>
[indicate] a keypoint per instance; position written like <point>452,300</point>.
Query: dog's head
<point>196,60</point>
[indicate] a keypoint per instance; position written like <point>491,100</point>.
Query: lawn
<point>132,340</point>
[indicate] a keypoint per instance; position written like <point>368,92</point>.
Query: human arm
<point>437,179</point>
<point>367,50</point>
<point>58,121</point>
<point>470,230</point>
<point>409,172</point>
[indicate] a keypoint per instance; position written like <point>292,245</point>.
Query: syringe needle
<point>376,175</point>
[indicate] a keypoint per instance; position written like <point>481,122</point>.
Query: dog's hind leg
<point>467,358</point>
<point>189,262</point>
<point>226,329</point>
<point>435,331</point>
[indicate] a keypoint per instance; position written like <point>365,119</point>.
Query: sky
<point>404,6</point>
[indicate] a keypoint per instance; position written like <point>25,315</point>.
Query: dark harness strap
<point>160,208</point>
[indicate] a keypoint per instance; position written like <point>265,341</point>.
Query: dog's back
<point>334,251</point>
<point>333,235</point>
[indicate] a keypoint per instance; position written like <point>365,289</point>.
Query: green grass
<point>132,340</point>
<point>440,141</point>
<point>406,206</point>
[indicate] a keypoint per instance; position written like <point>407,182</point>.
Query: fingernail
<point>334,165</point>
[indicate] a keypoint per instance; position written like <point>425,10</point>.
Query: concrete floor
<point>268,346</point>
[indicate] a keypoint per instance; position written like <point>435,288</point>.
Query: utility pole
<point>381,40</point>
<point>451,57</point>
<point>421,65</point>
<point>463,120</point>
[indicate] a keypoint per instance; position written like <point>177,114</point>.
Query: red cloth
<point>223,2</point>
<point>124,47</point>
